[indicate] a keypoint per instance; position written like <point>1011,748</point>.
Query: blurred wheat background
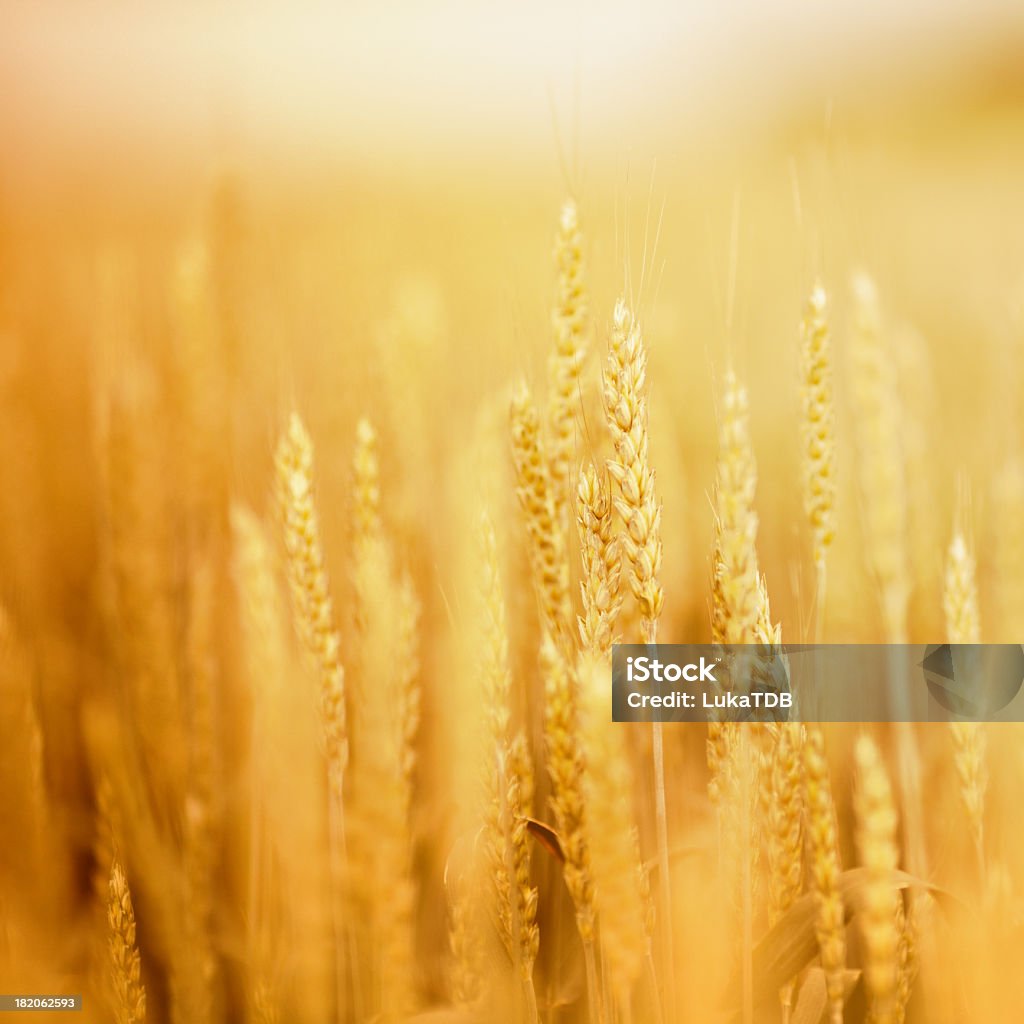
<point>365,373</point>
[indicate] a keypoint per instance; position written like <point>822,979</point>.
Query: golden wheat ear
<point>737,599</point>
<point>970,739</point>
<point>818,437</point>
<point>818,422</point>
<point>877,823</point>
<point>625,400</point>
<point>507,779</point>
<point>600,550</point>
<point>313,615</point>
<point>545,533</point>
<point>128,993</point>
<point>311,597</point>
<point>882,470</point>
<point>569,320</point>
<point>823,850</point>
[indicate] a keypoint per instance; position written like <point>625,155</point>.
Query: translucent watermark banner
<point>818,683</point>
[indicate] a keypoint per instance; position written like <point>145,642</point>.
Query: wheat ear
<point>1008,530</point>
<point>625,400</point>
<point>544,531</point>
<point>463,942</point>
<point>386,679</point>
<point>823,849</point>
<point>307,576</point>
<point>876,842</point>
<point>818,434</point>
<point>882,471</point>
<point>569,321</point>
<point>737,598</point>
<point>599,547</point>
<point>519,804</point>
<point>625,405</point>
<point>508,780</point>
<point>784,828</point>
<point>566,768</point>
<point>129,995</point>
<point>882,483</point>
<point>963,626</point>
<point>314,619</point>
<point>739,784</point>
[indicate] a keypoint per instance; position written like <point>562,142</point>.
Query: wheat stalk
<point>881,466</point>
<point>615,856</point>
<point>194,977</point>
<point>265,656</point>
<point>1008,506</point>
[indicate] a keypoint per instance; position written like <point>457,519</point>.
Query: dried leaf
<point>811,1002</point>
<point>547,837</point>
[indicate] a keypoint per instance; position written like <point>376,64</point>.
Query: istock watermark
<point>817,683</point>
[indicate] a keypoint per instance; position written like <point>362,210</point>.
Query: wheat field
<point>324,501</point>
